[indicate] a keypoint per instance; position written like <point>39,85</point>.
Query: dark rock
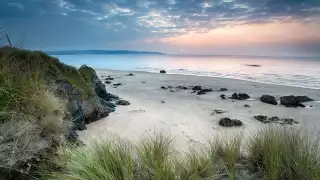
<point>303,99</point>
<point>143,82</point>
<point>253,65</point>
<point>261,118</point>
<point>162,101</point>
<point>130,74</point>
<point>117,85</point>
<point>292,101</point>
<point>182,87</point>
<point>163,87</point>
<point>223,96</point>
<point>227,122</point>
<point>163,71</point>
<point>197,88</point>
<point>218,111</point>
<point>240,96</point>
<point>274,118</point>
<point>288,120</point>
<point>193,91</point>
<point>170,87</point>
<point>108,82</point>
<point>109,78</point>
<point>122,102</point>
<point>268,99</point>
<point>171,90</point>
<point>246,105</point>
<point>204,91</point>
<point>223,89</point>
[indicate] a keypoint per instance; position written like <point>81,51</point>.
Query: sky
<point>224,27</point>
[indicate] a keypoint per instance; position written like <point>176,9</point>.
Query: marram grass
<point>273,153</point>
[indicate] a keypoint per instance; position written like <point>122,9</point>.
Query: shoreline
<point>259,82</point>
<point>187,116</point>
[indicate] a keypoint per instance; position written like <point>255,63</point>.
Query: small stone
<point>261,118</point>
<point>246,105</point>
<point>116,85</point>
<point>163,87</point>
<point>130,74</point>
<point>109,78</point>
<point>223,96</point>
<point>162,101</point>
<point>108,82</point>
<point>163,71</point>
<point>218,111</point>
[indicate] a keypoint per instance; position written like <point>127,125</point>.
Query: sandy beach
<point>188,117</point>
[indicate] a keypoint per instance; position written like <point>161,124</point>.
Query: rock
<point>197,88</point>
<point>117,85</point>
<point>253,65</point>
<point>227,122</point>
<point>163,71</point>
<point>193,91</point>
<point>122,102</point>
<point>130,74</point>
<point>107,82</point>
<point>303,99</point>
<point>223,89</point>
<point>171,90</point>
<point>274,118</point>
<point>162,102</point>
<point>218,111</point>
<point>143,82</point>
<point>109,78</point>
<point>261,118</point>
<point>246,105</point>
<point>240,96</point>
<point>170,87</point>
<point>163,87</point>
<point>268,99</point>
<point>204,91</point>
<point>223,96</point>
<point>182,87</point>
<point>292,101</point>
<point>287,120</point>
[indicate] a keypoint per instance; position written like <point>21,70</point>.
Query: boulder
<point>261,118</point>
<point>163,71</point>
<point>107,82</point>
<point>163,87</point>
<point>223,89</point>
<point>223,96</point>
<point>227,122</point>
<point>246,105</point>
<point>122,102</point>
<point>130,74</point>
<point>240,96</point>
<point>197,88</point>
<point>291,101</point>
<point>268,99</point>
<point>303,99</point>
<point>203,91</point>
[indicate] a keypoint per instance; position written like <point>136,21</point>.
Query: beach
<point>188,117</point>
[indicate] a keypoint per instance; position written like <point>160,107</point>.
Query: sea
<point>290,71</point>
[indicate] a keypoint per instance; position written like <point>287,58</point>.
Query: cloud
<point>16,5</point>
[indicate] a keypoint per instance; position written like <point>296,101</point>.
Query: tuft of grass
<point>155,153</point>
<point>283,153</point>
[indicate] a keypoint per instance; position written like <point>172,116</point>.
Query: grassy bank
<point>34,117</point>
<point>273,153</point>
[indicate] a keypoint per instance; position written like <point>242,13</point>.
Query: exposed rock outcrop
<point>240,96</point>
<point>294,101</point>
<point>268,99</point>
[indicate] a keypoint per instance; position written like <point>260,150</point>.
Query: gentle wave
<point>293,80</point>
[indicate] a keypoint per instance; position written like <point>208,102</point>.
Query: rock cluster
<point>227,122</point>
<point>275,119</point>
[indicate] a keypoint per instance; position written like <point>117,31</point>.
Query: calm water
<point>286,71</point>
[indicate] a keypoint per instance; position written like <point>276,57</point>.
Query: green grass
<point>285,153</point>
<point>273,154</point>
<point>32,117</point>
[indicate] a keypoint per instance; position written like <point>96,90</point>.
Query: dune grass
<point>285,153</point>
<point>273,153</point>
